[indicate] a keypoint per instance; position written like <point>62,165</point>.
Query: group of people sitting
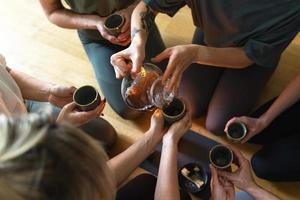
<point>61,153</point>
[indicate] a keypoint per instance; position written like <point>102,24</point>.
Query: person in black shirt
<point>236,48</point>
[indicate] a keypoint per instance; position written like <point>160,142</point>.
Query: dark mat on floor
<point>193,148</point>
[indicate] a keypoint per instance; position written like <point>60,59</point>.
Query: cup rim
<point>210,159</point>
<point>240,138</point>
<point>94,100</point>
<point>116,28</point>
<point>183,110</point>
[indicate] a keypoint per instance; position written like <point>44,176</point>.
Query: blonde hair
<point>41,160</point>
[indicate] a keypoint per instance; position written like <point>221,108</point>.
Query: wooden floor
<point>35,46</point>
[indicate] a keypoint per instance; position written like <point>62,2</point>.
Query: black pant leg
<point>279,161</point>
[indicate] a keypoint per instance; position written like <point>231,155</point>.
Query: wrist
<point>251,188</point>
<point>154,136</point>
<point>196,51</point>
<point>169,143</point>
<point>170,139</point>
<point>96,21</point>
<point>46,91</point>
<point>265,120</point>
<point>138,37</point>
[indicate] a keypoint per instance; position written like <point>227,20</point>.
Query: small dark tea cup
<point>236,131</point>
<point>221,157</point>
<point>113,24</point>
<point>174,111</point>
<point>86,98</point>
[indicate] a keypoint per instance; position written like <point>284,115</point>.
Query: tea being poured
<point>146,90</point>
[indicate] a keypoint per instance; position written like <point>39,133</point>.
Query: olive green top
<point>102,8</point>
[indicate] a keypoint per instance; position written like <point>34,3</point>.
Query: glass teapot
<point>146,91</point>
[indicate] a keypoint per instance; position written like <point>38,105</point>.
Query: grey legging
<point>222,93</point>
<point>99,53</point>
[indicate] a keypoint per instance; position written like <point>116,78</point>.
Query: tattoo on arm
<point>134,31</point>
<point>147,20</point>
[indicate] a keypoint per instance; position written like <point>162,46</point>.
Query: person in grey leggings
<point>88,17</point>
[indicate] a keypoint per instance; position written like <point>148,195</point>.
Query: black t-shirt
<point>264,28</point>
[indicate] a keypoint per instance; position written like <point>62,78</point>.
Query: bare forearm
<point>31,88</point>
<point>62,17</point>
<point>141,21</point>
<point>260,194</point>
<point>289,96</point>
<point>167,184</point>
<point>231,57</point>
<point>124,163</point>
<point>67,19</point>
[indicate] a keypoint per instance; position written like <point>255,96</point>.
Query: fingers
<point>158,113</point>
<point>214,176</point>
<point>175,79</point>
<point>183,124</point>
<point>239,155</point>
<point>72,89</point>
<point>137,62</point>
<point>232,120</point>
<point>162,56</point>
<point>248,137</point>
<point>101,107</point>
<point>227,175</point>
<point>124,42</point>
<point>169,71</point>
<point>126,25</point>
<point>69,107</point>
<point>118,61</point>
<point>176,86</point>
<point>86,116</point>
<point>231,193</point>
<point>110,38</point>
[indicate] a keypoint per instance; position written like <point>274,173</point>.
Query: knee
<point>102,131</point>
<point>111,136</point>
<point>215,126</point>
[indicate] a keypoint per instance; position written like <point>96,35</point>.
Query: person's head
<point>40,160</point>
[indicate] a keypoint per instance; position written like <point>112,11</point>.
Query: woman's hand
<point>70,114</point>
<point>124,38</point>
<point>242,177</point>
<point>254,126</point>
<point>128,61</point>
<point>157,121</point>
<point>221,188</point>
<point>61,95</point>
<point>180,58</point>
<point>178,129</point>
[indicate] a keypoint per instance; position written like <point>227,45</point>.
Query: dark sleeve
<point>169,7</point>
<point>266,50</point>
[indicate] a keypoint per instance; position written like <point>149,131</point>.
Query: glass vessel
<point>146,91</point>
